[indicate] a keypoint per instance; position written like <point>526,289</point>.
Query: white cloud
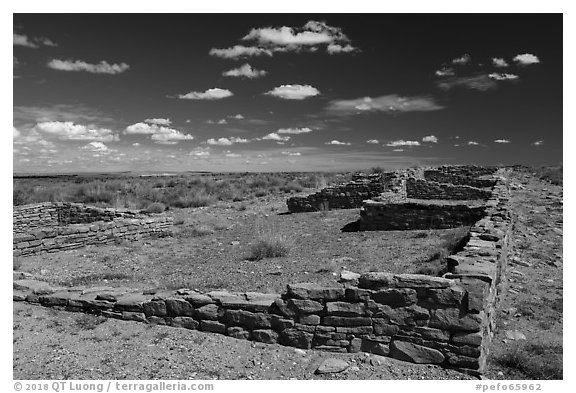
<point>169,136</point>
<point>337,48</point>
<point>233,155</point>
<point>245,71</point>
<point>237,117</point>
<point>15,133</point>
<point>293,92</point>
<point>499,62</point>
<point>462,60</point>
<point>373,141</point>
<point>135,144</point>
<point>537,143</point>
<point>402,142</point>
<point>238,51</point>
<point>210,94</point>
<point>78,65</point>
<point>398,150</point>
<point>200,153</point>
<point>445,72</point>
<point>430,139</point>
<point>275,137</point>
<point>388,104</point>
<point>291,153</point>
<point>502,77</point>
<point>294,131</point>
<point>95,146</point>
<point>160,134</point>
<point>312,33</point>
<point>526,59</point>
<point>160,122</point>
<point>66,130</point>
<point>473,143</point>
<point>23,40</point>
<point>502,141</point>
<point>226,141</point>
<point>336,142</point>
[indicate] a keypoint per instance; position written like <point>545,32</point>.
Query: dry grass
<point>270,243</point>
<point>535,360</point>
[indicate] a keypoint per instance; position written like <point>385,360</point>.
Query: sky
<point>284,92</point>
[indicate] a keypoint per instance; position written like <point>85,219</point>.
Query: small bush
<point>195,231</point>
<point>536,360</point>
<point>377,169</point>
<point>156,207</point>
<point>269,248</point>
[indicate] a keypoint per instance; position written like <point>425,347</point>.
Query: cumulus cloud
<point>15,133</point>
<point>233,155</point>
<point>473,143</point>
<point>537,143</point>
<point>462,60</point>
<point>502,141</point>
<point>239,51</point>
<point>78,65</point>
<point>478,82</point>
<point>398,150</point>
<point>339,143</point>
<point>160,122</point>
<point>293,92</point>
<point>273,136</point>
<point>294,131</point>
<point>245,71</point>
<point>526,59</point>
<point>200,153</point>
<point>291,153</point>
<point>226,141</point>
<point>502,77</point>
<point>237,117</point>
<point>160,134</point>
<point>445,72</point>
<point>31,42</point>
<point>402,142</point>
<point>67,130</point>
<point>430,139</point>
<point>210,94</point>
<point>373,141</point>
<point>387,104</point>
<point>499,62</point>
<point>337,48</point>
<point>95,146</point>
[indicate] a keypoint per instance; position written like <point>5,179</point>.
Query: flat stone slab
<point>332,365</point>
<point>415,353</point>
<point>34,286</point>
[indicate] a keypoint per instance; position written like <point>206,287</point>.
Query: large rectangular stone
<point>315,292</point>
<point>344,321</point>
<point>345,309</point>
<point>395,297</point>
<point>454,319</point>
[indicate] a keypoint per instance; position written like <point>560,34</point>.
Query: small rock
<point>332,365</point>
<point>234,243</point>
<point>346,275</point>
<point>299,351</point>
<point>514,335</point>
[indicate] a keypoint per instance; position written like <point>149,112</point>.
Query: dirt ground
<point>211,250</point>
<point>49,344</point>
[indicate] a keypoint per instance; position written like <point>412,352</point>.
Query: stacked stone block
<point>423,189</point>
<point>439,176</point>
<point>346,196</point>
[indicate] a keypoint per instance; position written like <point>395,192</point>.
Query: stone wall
<point>346,196</point>
<point>444,177</point>
<point>57,226</point>
<point>423,189</point>
<point>470,171</point>
<point>50,214</point>
<point>386,216</point>
<point>60,238</point>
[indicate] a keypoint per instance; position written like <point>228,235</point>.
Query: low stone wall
<point>50,214</point>
<point>60,238</point>
<point>443,177</point>
<point>470,171</point>
<point>346,196</point>
<point>386,216</point>
<point>422,189</point>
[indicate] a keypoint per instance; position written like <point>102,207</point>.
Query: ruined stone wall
<point>386,216</point>
<point>60,238</point>
<point>50,214</point>
<point>443,177</point>
<point>422,189</point>
<point>346,196</point>
<point>470,171</point>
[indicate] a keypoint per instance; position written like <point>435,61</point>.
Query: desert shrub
<point>270,244</point>
<point>291,187</point>
<point>89,322</point>
<point>552,175</point>
<point>194,200</point>
<point>260,193</point>
<point>194,231</point>
<point>536,360</point>
<point>377,169</point>
<point>156,207</point>
<point>420,235</point>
